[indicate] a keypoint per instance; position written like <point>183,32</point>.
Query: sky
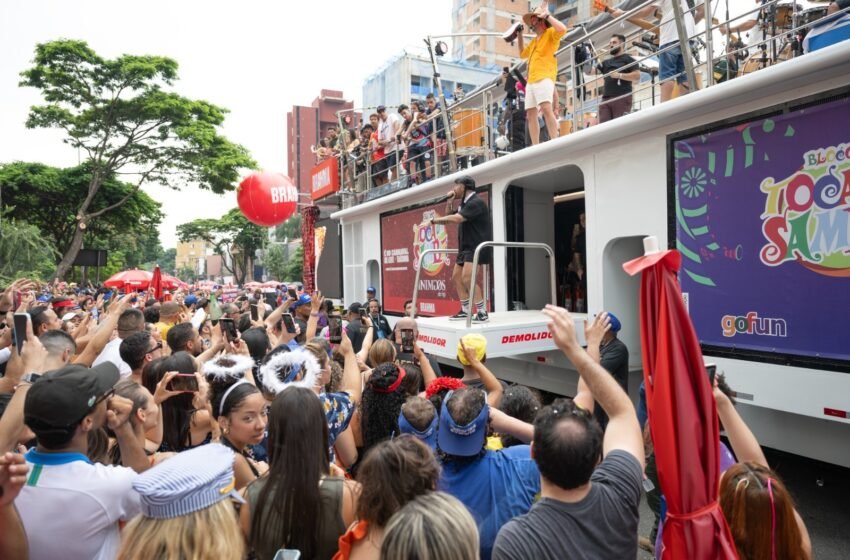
<point>255,58</point>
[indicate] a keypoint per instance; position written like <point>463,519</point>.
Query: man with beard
<point>621,70</point>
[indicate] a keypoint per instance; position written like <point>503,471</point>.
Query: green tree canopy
<point>24,253</point>
<point>120,113</point>
<point>233,237</point>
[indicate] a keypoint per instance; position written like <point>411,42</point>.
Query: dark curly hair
<point>393,473</point>
<point>520,402</point>
<point>379,407</point>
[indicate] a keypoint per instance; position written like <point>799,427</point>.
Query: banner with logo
<point>404,236</point>
<point>763,225</point>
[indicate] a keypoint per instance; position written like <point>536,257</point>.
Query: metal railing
<point>553,295</point>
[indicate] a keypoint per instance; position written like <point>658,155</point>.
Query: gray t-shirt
<point>603,525</point>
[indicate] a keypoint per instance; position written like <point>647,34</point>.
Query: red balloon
<point>267,199</point>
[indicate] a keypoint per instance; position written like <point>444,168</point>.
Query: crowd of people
<point>268,428</point>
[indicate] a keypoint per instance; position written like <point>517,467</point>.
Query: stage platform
<point>508,333</point>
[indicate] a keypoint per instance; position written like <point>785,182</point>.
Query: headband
<point>230,389</point>
<point>396,384</point>
<point>296,360</point>
<point>219,371</point>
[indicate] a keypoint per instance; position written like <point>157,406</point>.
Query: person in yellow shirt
<point>542,69</point>
<point>169,315</point>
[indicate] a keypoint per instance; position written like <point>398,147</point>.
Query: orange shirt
<point>540,53</point>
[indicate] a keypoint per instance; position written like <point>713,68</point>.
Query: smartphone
<point>183,382</point>
<point>228,327</point>
<point>407,340</point>
<point>20,330</point>
<point>288,322</point>
<point>334,329</point>
<point>287,554</point>
<point>363,314</point>
<point>255,312</point>
<point>712,371</point>
<point>292,294</point>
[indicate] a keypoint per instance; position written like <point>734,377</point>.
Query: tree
<point>275,262</point>
<point>24,253</point>
<point>290,229</point>
<point>48,198</point>
<point>295,265</point>
<point>118,112</point>
<point>233,238</point>
<point>168,261</point>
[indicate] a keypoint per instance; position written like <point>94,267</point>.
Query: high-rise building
<point>305,126</point>
<point>476,16</point>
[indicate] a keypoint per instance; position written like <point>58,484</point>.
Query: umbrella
<point>156,283</point>
<point>682,413</point>
<point>172,282</point>
<point>130,279</point>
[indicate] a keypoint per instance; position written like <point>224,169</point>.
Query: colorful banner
<point>763,224</point>
<point>404,236</point>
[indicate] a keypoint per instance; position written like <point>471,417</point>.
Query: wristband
<point>314,314</point>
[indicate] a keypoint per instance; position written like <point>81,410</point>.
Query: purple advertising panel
<point>762,219</point>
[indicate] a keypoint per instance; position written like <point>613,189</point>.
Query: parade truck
<point>749,179</point>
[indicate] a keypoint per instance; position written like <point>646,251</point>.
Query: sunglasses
<point>155,348</point>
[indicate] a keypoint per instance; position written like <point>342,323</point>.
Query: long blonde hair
<point>208,534</point>
<point>434,526</point>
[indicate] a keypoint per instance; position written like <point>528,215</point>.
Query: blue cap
<point>462,441</point>
<point>428,435</point>
<point>44,298</point>
<point>190,481</point>
<point>371,290</point>
<point>303,300</point>
<point>615,323</point>
<point>190,299</point>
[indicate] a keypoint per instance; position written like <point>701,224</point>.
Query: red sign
<point>324,179</point>
<point>404,236</point>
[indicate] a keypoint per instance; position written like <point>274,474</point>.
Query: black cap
<point>354,307</point>
<point>380,109</point>
<point>467,182</point>
<point>62,397</point>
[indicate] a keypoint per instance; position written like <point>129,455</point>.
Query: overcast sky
<point>255,58</point>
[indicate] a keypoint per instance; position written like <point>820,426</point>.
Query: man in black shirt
<point>621,70</point>
<point>474,228</point>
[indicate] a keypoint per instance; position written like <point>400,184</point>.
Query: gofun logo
<point>751,323</point>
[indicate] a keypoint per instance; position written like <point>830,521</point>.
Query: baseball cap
<point>190,481</point>
<point>462,441</point>
<point>615,323</point>
<point>355,307</point>
<point>380,109</point>
<point>371,290</point>
<point>473,340</point>
<point>68,316</point>
<point>303,299</point>
<point>190,299</point>
<point>62,397</point>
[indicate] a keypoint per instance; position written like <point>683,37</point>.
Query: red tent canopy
<point>130,279</point>
<point>682,414</point>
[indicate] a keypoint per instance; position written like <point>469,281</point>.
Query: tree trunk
<point>70,255</point>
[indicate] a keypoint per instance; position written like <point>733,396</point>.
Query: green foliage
<point>275,262</point>
<point>168,260</point>
<point>233,237</point>
<point>294,269</point>
<point>24,252</point>
<point>115,262</point>
<point>187,274</point>
<point>290,229</point>
<point>120,113</point>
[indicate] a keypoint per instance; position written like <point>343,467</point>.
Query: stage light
<point>441,48</point>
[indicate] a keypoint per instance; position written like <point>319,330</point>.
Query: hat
<point>380,109</point>
<point>462,441</point>
<point>428,435</point>
<point>474,340</point>
<point>61,303</point>
<point>44,298</point>
<point>371,290</point>
<point>467,182</point>
<point>510,35</point>
<point>304,299</point>
<point>527,19</point>
<point>355,307</point>
<point>191,299</point>
<point>62,397</point>
<point>190,481</point>
<point>615,323</point>
<point>69,316</point>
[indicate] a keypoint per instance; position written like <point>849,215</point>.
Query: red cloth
<point>682,416</point>
<point>156,283</point>
<point>353,535</point>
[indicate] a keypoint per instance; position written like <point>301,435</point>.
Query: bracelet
<point>314,314</point>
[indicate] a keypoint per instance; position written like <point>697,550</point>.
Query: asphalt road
<point>822,494</point>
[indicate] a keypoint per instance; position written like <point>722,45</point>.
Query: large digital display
<point>404,236</point>
<point>762,219</point>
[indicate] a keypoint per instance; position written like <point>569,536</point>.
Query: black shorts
<point>466,256</point>
<point>379,167</point>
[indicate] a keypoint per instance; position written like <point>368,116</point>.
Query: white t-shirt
<point>70,508</point>
<point>387,130</point>
<point>668,23</point>
<point>111,353</point>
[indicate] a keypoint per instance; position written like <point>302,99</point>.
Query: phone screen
<point>712,371</point>
<point>288,322</point>
<point>255,312</point>
<point>228,327</point>
<point>363,313</point>
<point>407,340</point>
<point>20,330</point>
<point>334,329</point>
<point>292,294</point>
<point>183,382</point>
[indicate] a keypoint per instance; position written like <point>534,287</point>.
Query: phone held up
<point>288,322</point>
<point>255,312</point>
<point>334,329</point>
<point>407,340</point>
<point>20,331</point>
<point>228,327</point>
<point>184,382</point>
